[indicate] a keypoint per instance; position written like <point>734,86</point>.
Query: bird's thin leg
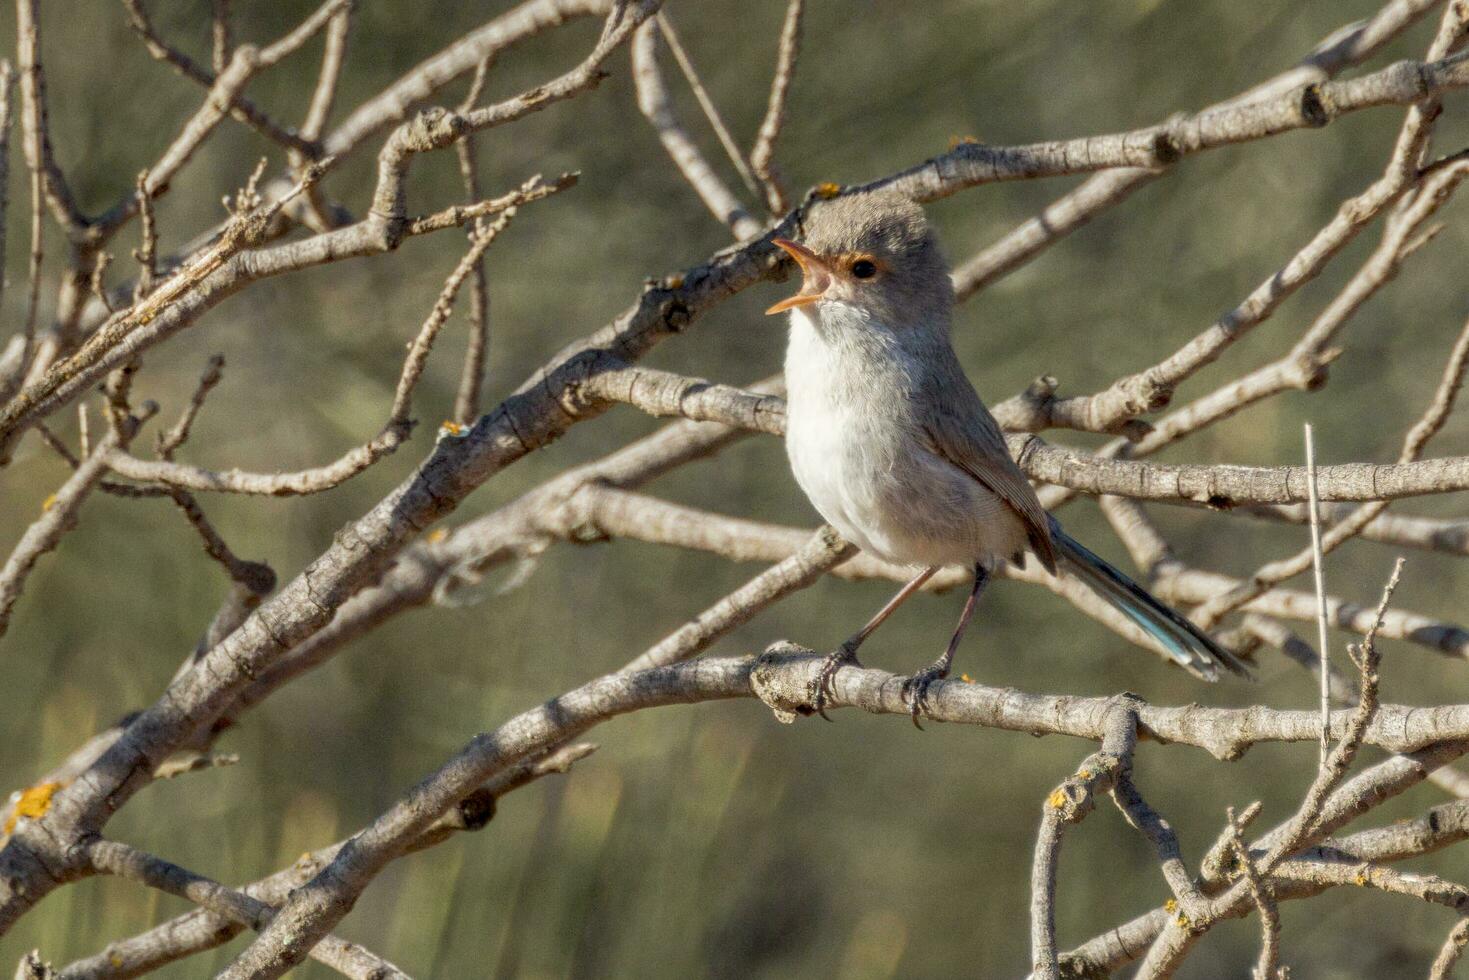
<point>916,687</point>
<point>847,652</point>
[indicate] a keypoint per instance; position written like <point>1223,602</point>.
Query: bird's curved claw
<point>915,691</point>
<point>821,689</point>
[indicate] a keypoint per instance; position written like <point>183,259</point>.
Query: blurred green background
<point>712,841</point>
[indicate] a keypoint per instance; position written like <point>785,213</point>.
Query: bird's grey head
<point>874,252</point>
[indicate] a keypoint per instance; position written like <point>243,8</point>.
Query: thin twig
<point>657,106</point>
<point>762,155</point>
<point>711,112</point>
<point>1260,893</point>
<point>58,514</point>
<point>476,351</point>
<point>1319,574</point>
<point>115,858</point>
<point>221,35</point>
<point>1453,948</point>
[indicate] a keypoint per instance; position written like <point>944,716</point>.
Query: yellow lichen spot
<point>957,141</point>
<point>48,503</point>
<point>1170,906</point>
<point>437,534</point>
<point>828,190</point>
<point>966,678</point>
<point>1361,878</point>
<point>33,804</point>
<point>115,961</point>
<point>1182,920</point>
<point>673,282</point>
<point>1057,799</point>
<point>1083,774</point>
<point>451,427</point>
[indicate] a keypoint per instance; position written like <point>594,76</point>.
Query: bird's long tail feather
<point>1190,647</point>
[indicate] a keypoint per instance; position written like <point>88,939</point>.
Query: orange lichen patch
<point>1057,799</point>
<point>957,141</point>
<point>32,804</point>
<point>48,503</point>
<point>451,427</point>
<point>437,534</point>
<point>828,190</point>
<point>966,678</point>
<point>1083,774</point>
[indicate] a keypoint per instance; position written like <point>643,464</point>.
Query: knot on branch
<point>1310,372</point>
<point>1075,797</point>
<point>1313,106</point>
<point>1166,150</point>
<point>431,129</point>
<point>781,678</point>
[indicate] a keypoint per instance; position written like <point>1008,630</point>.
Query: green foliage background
<point>711,841</point>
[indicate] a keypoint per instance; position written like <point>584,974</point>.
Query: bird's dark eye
<point>864,269</point>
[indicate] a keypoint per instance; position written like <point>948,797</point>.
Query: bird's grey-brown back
<point>873,382</point>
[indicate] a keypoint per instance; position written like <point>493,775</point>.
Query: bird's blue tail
<point>1190,647</point>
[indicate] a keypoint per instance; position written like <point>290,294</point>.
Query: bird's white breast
<point>856,451</point>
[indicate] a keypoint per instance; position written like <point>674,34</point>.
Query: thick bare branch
<point>970,164</point>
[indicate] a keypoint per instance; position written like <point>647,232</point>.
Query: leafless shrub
<point>388,560</point>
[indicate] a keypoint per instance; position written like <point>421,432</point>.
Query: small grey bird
<point>895,449</point>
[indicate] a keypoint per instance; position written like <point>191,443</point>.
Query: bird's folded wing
<point>963,432</point>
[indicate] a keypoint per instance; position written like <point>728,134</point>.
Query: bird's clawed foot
<point>915,688</point>
<point>821,691</point>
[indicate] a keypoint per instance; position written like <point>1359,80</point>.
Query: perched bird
<point>895,449</point>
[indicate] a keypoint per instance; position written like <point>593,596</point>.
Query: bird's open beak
<point>817,277</point>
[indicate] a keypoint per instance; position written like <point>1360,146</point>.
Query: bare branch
<point>1263,896</point>
<point>39,155</point>
<point>221,35</point>
<point>202,930</point>
<point>654,101</point>
<point>972,164</point>
<point>1453,949</point>
<point>240,108</point>
<point>1069,803</point>
<point>823,551</point>
<point>466,400</point>
<point>711,112</point>
<point>1318,568</point>
<point>394,433</point>
<point>395,103</point>
<point>58,514</point>
<point>762,155</point>
<point>1350,45</point>
<point>114,858</point>
<point>1435,415</point>
<point>333,60</point>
